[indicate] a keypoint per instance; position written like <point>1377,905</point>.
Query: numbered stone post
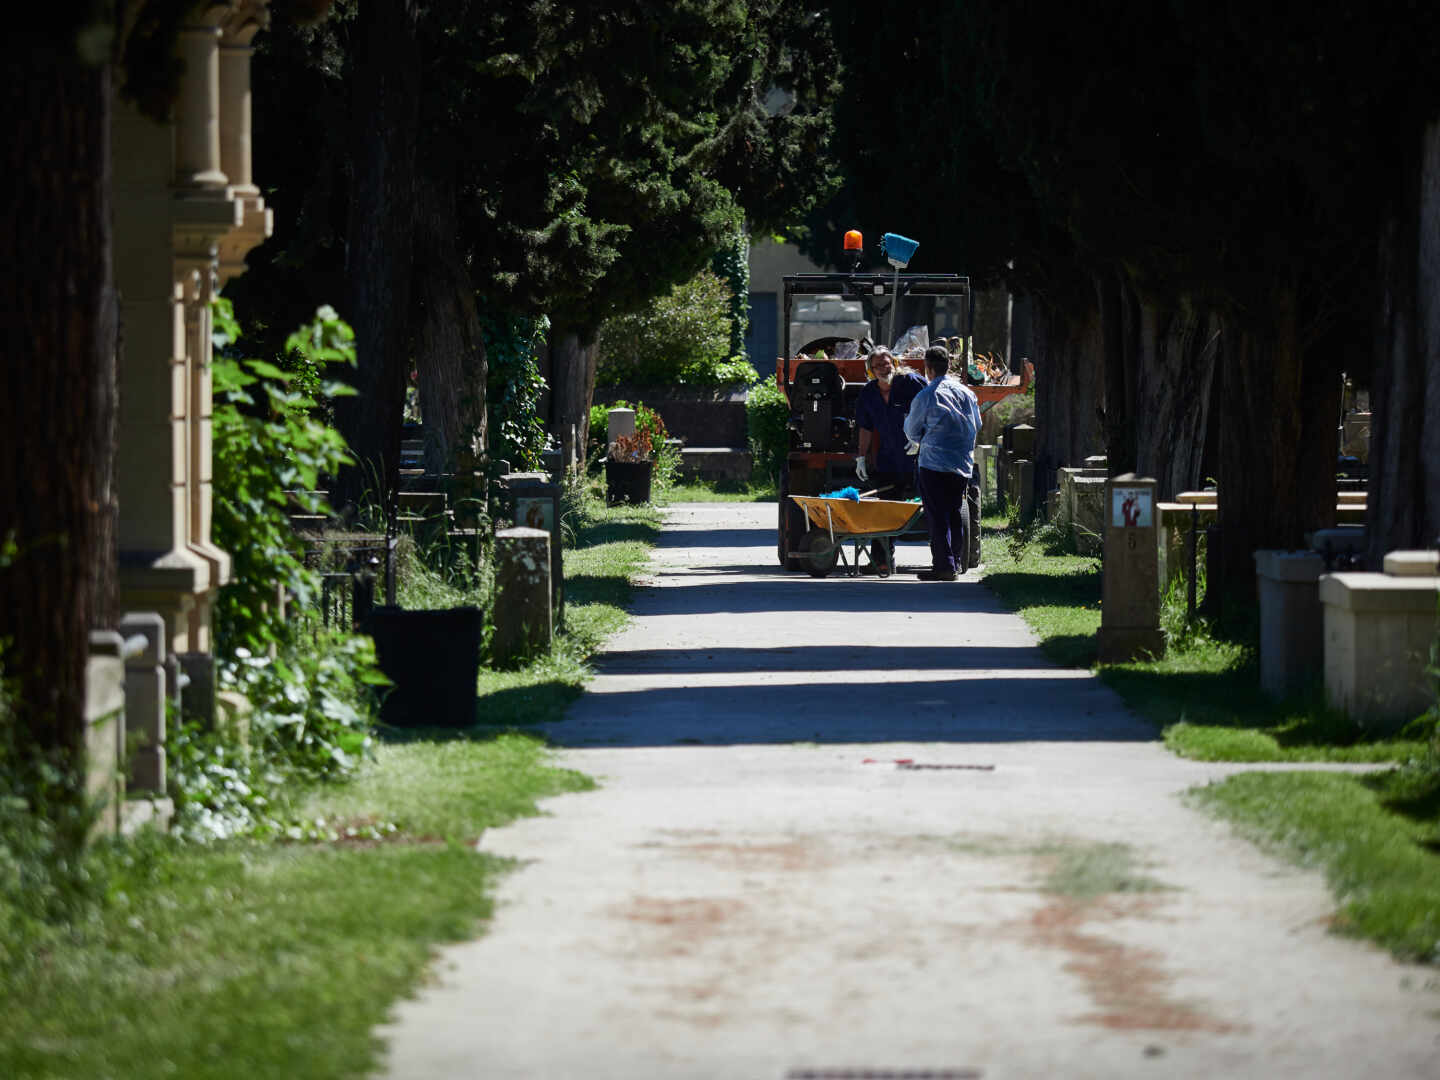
<point>523,622</point>
<point>1130,588</point>
<point>145,700</point>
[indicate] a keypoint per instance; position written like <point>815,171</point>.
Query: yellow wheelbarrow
<point>831,523</point>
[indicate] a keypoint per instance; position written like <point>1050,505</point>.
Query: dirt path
<point>862,824</point>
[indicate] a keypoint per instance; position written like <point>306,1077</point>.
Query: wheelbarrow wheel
<point>819,553</point>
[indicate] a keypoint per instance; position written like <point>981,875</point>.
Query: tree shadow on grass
<point>1020,589</point>
<point>1070,650</point>
<point>517,708</point>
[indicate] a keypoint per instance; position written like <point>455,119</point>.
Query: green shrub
<point>767,415</point>
<point>682,338</point>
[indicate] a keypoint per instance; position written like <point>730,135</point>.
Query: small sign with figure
<point>1132,507</point>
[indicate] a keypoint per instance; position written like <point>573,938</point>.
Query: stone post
<point>1292,639</point>
<point>535,504</point>
<point>1024,472</point>
<point>105,728</point>
<point>523,623</point>
<point>1130,585</point>
<point>145,700</point>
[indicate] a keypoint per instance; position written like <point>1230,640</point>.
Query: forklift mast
<point>870,290</point>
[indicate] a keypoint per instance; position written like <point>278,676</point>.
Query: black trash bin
<point>433,658</point>
<point>627,482</point>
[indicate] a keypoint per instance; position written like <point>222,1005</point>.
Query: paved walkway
<point>759,890</point>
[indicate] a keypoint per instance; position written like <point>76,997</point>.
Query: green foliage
<point>732,265</point>
<point>514,386</point>
<point>44,875</point>
<point>310,711</point>
<point>767,416</point>
<point>683,337</point>
<point>271,454</point>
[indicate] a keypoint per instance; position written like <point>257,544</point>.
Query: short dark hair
<point>937,358</point>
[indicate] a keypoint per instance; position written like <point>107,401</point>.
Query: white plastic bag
<point>913,342</point>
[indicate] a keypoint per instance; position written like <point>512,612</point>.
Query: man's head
<point>937,361</point>
<point>882,365</point>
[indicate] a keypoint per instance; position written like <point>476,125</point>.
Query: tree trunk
<point>1278,443</point>
<point>1404,498</point>
<point>380,244</point>
<point>449,350</point>
<point>58,313</point>
<point>1119,325</point>
<point>1174,370</point>
<point>572,357</point>
<point>1069,394</point>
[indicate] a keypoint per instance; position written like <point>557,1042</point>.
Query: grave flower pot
<point>627,481</point>
<point>433,658</point>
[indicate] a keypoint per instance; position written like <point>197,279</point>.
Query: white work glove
<point>860,469</point>
<point>912,448</point>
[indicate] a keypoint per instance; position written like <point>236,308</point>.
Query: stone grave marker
<point>1130,588</point>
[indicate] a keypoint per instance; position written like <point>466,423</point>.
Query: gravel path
<point>764,888</point>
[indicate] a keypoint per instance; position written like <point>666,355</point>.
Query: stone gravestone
<point>523,624</point>
<point>619,422</point>
<point>535,504</point>
<point>1130,588</point>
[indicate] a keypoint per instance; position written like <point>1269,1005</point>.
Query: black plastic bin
<point>433,658</point>
<point>627,482</point>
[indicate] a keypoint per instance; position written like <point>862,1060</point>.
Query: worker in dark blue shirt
<point>880,418</point>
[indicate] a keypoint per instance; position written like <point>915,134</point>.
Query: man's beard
<point>885,380</point>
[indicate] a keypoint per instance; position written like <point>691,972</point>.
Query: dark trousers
<point>943,495</point>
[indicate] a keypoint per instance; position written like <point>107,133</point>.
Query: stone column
<point>238,29</point>
<point>197,108</point>
<point>157,570</point>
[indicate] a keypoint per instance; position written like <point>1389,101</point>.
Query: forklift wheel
<point>818,554</point>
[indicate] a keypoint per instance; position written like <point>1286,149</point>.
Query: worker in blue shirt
<point>944,420</point>
<point>880,415</point>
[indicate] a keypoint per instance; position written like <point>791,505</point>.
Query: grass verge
<point>263,959</point>
<point>1374,837</point>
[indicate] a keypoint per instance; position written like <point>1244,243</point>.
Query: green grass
<point>1375,837</point>
<point>269,960</point>
<point>1204,694</point>
<point>719,491</point>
